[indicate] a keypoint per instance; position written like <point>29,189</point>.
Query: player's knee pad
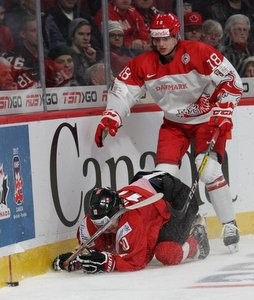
<point>212,169</point>
<point>169,253</point>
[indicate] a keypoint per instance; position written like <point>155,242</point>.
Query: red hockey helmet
<point>164,25</point>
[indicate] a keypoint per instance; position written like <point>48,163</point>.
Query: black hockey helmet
<point>104,202</point>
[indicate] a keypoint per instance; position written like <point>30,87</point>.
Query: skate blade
<point>233,248</point>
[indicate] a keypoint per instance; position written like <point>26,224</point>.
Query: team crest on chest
<point>185,58</point>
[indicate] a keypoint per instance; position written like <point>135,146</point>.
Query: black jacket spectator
<point>62,22</point>
<point>221,10</point>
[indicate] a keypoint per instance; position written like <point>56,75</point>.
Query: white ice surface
<point>221,276</point>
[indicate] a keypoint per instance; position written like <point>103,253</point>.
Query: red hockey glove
<point>109,123</point>
<point>97,262</point>
<point>222,117</point>
<point>58,263</point>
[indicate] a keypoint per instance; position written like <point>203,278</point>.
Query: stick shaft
<point>10,267</point>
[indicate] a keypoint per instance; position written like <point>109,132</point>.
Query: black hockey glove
<point>97,262</point>
<point>58,263</point>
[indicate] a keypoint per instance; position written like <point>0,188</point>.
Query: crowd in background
<point>73,38</point>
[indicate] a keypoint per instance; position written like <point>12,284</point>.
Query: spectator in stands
<point>166,6</point>
<point>187,6</point>
<point>92,6</point>
<point>136,35</point>
<point>84,55</point>
<point>6,77</point>
<point>119,54</point>
<point>193,22</point>
<point>24,58</point>
<point>235,40</point>
<point>147,10</point>
<point>202,7</point>
<point>60,67</point>
<point>65,11</point>
<point>51,34</point>
<point>6,38</point>
<point>247,68</point>
<point>96,74</point>
<point>212,33</point>
<point>221,10</point>
<point>199,6</point>
<point>250,5</point>
<point>16,12</point>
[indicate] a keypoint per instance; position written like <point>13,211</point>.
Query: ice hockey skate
<point>199,233</point>
<point>230,234</point>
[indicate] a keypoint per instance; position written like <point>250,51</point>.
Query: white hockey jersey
<point>186,88</point>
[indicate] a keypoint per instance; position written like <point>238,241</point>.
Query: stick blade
<point>12,283</point>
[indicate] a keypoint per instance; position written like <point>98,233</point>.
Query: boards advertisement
<point>16,197</point>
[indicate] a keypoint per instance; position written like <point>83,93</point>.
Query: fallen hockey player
<point>131,241</point>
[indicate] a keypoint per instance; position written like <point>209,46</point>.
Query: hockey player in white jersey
<point>197,88</point>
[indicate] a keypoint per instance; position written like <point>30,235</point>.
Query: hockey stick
<point>181,213</point>
<point>143,203</point>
